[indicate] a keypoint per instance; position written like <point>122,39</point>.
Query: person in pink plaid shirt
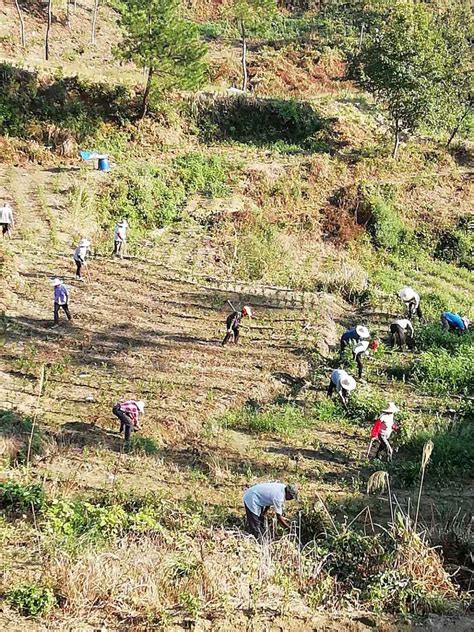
<point>128,413</point>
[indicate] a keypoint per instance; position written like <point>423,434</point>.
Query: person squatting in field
<point>455,322</point>
<point>80,255</point>
<point>120,237</point>
<point>61,301</point>
<point>412,302</point>
<point>353,336</point>
<point>233,324</point>
<point>6,219</point>
<point>259,498</point>
<point>342,383</point>
<point>401,333</point>
<point>383,428</point>
<point>128,412</point>
<point>361,351</point>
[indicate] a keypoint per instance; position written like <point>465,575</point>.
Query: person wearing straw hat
<point>342,383</point>
<point>7,222</point>
<point>361,351</point>
<point>128,412</point>
<point>80,254</point>
<point>259,498</point>
<point>354,335</point>
<point>455,322</point>
<point>120,237</point>
<point>61,301</point>
<point>386,425</point>
<point>233,324</point>
<point>412,302</point>
<point>401,333</point>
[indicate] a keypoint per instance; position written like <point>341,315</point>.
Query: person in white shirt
<point>120,237</point>
<point>259,498</point>
<point>412,302</point>
<point>361,351</point>
<point>342,383</point>
<point>7,222</point>
<point>80,255</point>
<point>401,332</point>
<point>387,426</point>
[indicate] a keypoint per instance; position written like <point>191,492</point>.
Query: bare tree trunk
<point>361,36</point>
<point>94,20</point>
<point>458,124</point>
<point>245,76</point>
<point>48,27</point>
<point>22,23</point>
<point>146,94</point>
<point>396,143</point>
<point>67,13</point>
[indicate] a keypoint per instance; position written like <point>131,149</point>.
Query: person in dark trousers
<point>80,255</point>
<point>259,498</point>
<point>455,322</point>
<point>233,324</point>
<point>361,351</point>
<point>385,425</point>
<point>401,333</point>
<point>61,300</point>
<point>7,222</point>
<point>412,302</point>
<point>342,383</point>
<point>120,238</point>
<point>128,413</point>
<point>353,336</point>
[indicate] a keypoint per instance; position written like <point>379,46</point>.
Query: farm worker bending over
<point>412,302</point>
<point>401,332</point>
<point>383,428</point>
<point>455,322</point>
<point>6,219</point>
<point>120,237</point>
<point>361,351</point>
<point>259,498</point>
<point>354,335</point>
<point>233,324</point>
<point>128,412</point>
<point>342,383</point>
<point>61,300</point>
<point>80,255</point>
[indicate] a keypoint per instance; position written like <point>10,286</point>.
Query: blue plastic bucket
<point>104,164</point>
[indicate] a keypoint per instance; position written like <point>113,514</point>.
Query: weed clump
<point>18,498</point>
<point>31,600</point>
<point>442,371</point>
<point>278,419</point>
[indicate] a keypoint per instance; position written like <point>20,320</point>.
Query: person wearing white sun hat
<point>80,254</point>
<point>120,237</point>
<point>233,323</point>
<point>342,383</point>
<point>354,335</point>
<point>61,301</point>
<point>412,302</point>
<point>128,412</point>
<point>386,421</point>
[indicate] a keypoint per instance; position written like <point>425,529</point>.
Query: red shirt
<point>130,407</point>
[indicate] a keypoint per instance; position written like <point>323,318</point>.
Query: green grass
<point>276,419</point>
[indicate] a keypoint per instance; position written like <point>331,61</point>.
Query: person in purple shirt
<point>455,322</point>
<point>61,299</point>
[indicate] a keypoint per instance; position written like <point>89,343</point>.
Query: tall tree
<point>402,65</point>
<point>250,14</point>
<point>159,39</point>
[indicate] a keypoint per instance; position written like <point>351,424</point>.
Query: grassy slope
<point>164,347</point>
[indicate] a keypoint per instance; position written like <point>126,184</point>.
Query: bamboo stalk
<point>35,415</point>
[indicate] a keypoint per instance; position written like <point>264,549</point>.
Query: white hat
<point>57,282</point>
<point>362,331</point>
<point>391,408</point>
<point>140,405</point>
<point>348,383</point>
<point>406,294</point>
<point>466,321</point>
<point>248,310</point>
<point>84,242</point>
<point>361,346</point>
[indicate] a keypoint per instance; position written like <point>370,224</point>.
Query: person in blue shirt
<point>455,322</point>
<point>61,300</point>
<point>354,335</point>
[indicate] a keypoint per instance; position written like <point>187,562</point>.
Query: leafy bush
<point>142,445</point>
<point>433,337</point>
<point>456,245</point>
<point>387,230</point>
<point>284,419</point>
<point>444,371</point>
<point>15,497</point>
<point>31,600</point>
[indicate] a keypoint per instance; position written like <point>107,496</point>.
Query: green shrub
<point>279,419</point>
<point>31,600</point>
<point>142,445</point>
<point>387,230</point>
<point>444,371</point>
<point>434,337</point>
<point>15,497</point>
<point>456,245</point>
